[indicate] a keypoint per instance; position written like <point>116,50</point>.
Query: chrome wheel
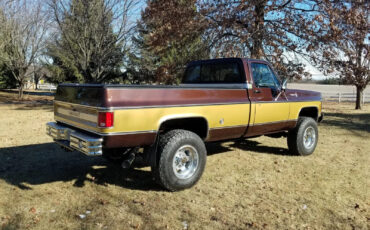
<point>309,137</point>
<point>185,162</point>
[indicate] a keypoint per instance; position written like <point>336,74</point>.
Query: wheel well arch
<point>311,111</point>
<point>198,125</point>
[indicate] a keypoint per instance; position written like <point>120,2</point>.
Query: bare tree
<point>261,29</point>
<point>23,33</point>
<point>343,46</point>
<point>91,36</point>
<point>39,73</point>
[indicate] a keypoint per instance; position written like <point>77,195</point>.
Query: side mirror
<point>284,85</point>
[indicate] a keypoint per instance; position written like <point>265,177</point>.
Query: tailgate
<point>76,115</point>
<point>78,105</point>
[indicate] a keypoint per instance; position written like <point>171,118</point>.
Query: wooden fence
<point>345,97</point>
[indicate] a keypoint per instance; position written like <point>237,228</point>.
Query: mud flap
<point>151,155</point>
<point>321,117</point>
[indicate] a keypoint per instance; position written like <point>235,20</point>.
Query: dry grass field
<point>254,184</point>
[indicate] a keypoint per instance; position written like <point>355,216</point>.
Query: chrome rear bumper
<point>75,140</point>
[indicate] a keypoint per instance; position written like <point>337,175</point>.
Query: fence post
<point>363,98</point>
<point>339,97</point>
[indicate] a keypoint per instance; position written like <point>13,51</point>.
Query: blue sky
<point>135,14</point>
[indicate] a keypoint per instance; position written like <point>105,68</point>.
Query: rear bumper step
<point>75,140</point>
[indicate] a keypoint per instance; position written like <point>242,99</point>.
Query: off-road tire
<point>169,144</point>
<point>296,137</point>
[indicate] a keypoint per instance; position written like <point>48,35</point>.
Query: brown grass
<point>29,100</point>
<point>254,184</point>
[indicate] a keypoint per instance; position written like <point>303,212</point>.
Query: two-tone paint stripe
<point>182,105</point>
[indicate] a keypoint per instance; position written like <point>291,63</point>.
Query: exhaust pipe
<point>126,164</point>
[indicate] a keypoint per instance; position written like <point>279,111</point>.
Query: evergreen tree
<point>86,49</point>
<point>6,78</point>
<point>169,36</point>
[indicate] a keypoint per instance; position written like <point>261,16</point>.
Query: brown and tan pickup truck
<point>166,126</point>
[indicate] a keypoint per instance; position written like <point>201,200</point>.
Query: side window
<point>208,73</point>
<point>192,74</point>
<point>263,76</point>
<point>213,73</point>
<point>228,73</point>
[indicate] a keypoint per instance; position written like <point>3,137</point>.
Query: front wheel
<point>182,160</point>
<point>302,140</point>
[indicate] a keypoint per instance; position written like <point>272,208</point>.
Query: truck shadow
<point>25,166</point>
<point>31,165</point>
<point>255,146</point>
<point>354,122</point>
<point>246,145</point>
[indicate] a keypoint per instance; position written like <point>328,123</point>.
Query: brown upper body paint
<point>110,97</point>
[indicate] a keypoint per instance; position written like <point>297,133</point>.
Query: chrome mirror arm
<point>282,89</point>
<point>284,84</point>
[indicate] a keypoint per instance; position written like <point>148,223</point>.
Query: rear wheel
<point>182,160</point>
<point>302,140</point>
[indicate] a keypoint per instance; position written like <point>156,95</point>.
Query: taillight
<point>105,119</point>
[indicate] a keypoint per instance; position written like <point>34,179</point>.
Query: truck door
<point>269,103</point>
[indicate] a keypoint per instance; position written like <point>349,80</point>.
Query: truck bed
<point>142,109</point>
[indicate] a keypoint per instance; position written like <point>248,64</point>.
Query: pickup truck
<point>166,127</point>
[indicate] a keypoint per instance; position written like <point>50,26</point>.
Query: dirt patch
<point>254,184</point>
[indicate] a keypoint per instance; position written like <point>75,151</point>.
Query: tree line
<point>96,41</point>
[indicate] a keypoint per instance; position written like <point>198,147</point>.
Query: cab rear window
<point>228,72</point>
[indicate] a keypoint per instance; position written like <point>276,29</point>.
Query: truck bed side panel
<point>139,112</point>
